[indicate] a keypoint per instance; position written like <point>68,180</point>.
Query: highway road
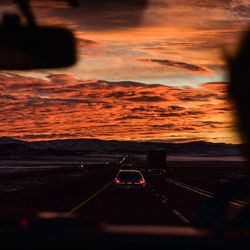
<point>128,207</point>
<point>94,199</point>
<point>164,201</point>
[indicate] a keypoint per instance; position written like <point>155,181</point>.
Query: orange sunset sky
<point>147,70</point>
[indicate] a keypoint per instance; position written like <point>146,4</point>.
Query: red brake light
<point>117,181</point>
<point>141,182</point>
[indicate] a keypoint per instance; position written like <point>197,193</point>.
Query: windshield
<point>126,175</point>
<point>149,89</point>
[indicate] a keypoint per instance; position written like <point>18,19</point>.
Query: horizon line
<point>117,140</point>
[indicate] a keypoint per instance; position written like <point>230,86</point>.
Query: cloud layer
<point>187,37</point>
<point>179,65</point>
<point>148,52</point>
<point>61,106</point>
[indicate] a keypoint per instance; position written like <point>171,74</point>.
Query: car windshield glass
<point>151,91</point>
<point>129,176</point>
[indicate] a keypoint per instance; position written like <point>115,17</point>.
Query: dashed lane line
<point>182,217</point>
<point>164,197</point>
<point>178,214</point>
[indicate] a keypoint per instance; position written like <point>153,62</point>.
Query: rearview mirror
<point>34,47</point>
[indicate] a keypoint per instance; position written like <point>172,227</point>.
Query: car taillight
<point>141,182</point>
<point>117,181</point>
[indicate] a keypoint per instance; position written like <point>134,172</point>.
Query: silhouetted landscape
<point>10,147</point>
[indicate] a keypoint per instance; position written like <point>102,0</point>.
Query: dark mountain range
<point>9,140</point>
<point>11,146</point>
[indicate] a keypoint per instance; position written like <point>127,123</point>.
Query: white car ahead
<point>129,179</point>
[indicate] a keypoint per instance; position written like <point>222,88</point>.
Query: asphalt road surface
<point>163,202</point>
<point>128,207</point>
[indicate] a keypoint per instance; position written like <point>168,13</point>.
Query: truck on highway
<point>157,159</point>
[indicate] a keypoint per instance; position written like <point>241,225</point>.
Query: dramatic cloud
<point>181,45</point>
<point>99,15</point>
<point>145,98</point>
<point>180,65</point>
<point>81,42</point>
<point>242,10</point>
<point>7,97</point>
<point>61,106</point>
<point>113,34</point>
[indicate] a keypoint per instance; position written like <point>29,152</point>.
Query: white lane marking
<point>164,197</point>
<point>240,203</point>
<point>203,192</point>
<point>178,214</point>
<point>194,189</point>
<point>182,217</point>
<point>89,198</point>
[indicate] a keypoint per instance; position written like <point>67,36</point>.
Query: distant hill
<point>9,140</point>
<point>11,146</point>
